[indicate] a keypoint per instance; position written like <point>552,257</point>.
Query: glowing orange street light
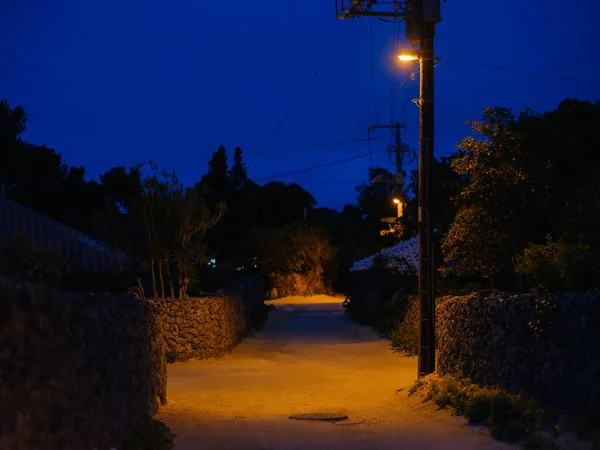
<point>408,56</point>
<point>398,202</point>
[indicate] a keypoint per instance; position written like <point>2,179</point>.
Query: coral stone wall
<point>549,347</point>
<point>76,371</point>
<point>201,327</point>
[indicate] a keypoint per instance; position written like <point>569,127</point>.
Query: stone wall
<point>546,346</point>
<point>202,327</point>
<point>76,371</point>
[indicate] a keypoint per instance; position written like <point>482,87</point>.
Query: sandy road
<point>309,358</point>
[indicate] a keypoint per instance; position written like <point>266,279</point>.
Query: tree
<point>484,235</point>
<point>37,176</point>
<point>238,174</point>
<point>216,183</point>
<point>375,199</point>
<point>280,204</point>
<point>122,187</point>
<point>447,186</point>
<point>176,221</point>
<point>13,122</point>
<point>299,255</point>
<point>530,189</point>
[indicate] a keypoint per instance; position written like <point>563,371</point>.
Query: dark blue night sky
<point>117,82</point>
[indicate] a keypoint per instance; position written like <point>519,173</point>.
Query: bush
<point>299,259</point>
<point>509,417</point>
<point>478,408</point>
<point>558,265</point>
<point>20,261</point>
<point>150,435</point>
<point>405,332</point>
<point>305,284</point>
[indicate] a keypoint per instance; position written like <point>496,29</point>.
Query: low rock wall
<point>76,371</point>
<point>546,346</point>
<point>202,327</point>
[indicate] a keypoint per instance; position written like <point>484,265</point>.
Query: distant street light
<point>398,202</point>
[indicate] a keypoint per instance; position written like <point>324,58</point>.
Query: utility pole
<point>426,271</point>
<point>420,19</point>
<point>397,149</point>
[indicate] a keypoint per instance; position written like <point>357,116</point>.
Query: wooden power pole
<point>420,19</point>
<point>397,149</point>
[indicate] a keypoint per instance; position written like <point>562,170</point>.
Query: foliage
<point>306,284</point>
<point>405,332</point>
<point>19,260</point>
<point>448,185</point>
<point>295,249</point>
<point>375,202</point>
<point>481,237</point>
<point>510,417</point>
<point>176,219</point>
<point>529,193</point>
<point>37,177</point>
<point>298,259</point>
<point>557,265</point>
<point>238,173</point>
<point>151,434</point>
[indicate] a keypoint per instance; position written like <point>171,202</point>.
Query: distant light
<point>408,57</point>
<point>396,201</point>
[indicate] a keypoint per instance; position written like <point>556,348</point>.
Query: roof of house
<point>406,252</point>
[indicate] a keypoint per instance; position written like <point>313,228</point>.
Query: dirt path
<point>309,358</point>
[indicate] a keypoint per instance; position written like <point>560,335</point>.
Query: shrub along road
<point>309,358</point>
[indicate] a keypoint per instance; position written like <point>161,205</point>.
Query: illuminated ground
<point>309,358</point>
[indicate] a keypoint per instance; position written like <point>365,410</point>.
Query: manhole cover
<point>323,416</point>
<point>350,422</point>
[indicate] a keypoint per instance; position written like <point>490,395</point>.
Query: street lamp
<point>408,56</point>
<point>398,202</point>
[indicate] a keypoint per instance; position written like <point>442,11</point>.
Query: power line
<point>525,72</point>
<point>395,72</point>
<point>313,167</point>
<point>340,143</point>
<point>295,103</point>
<point>359,124</point>
<point>372,70</point>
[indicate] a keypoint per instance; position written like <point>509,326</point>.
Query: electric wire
<point>395,72</point>
<point>522,71</point>
<point>313,167</point>
<point>340,143</point>
<point>302,92</point>
<point>373,70</point>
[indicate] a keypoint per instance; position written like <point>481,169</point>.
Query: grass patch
<point>150,435</point>
<point>510,417</point>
